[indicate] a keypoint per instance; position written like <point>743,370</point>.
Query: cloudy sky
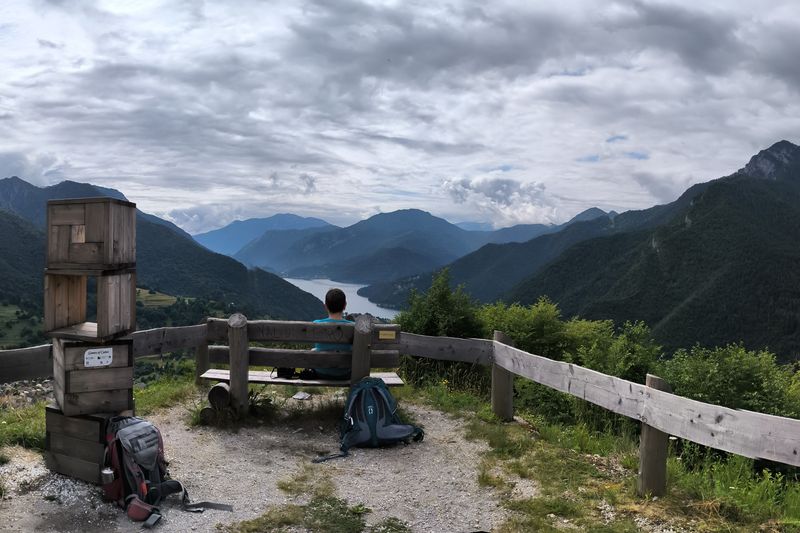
<point>501,112</point>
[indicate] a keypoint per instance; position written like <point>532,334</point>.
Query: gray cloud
<point>196,108</point>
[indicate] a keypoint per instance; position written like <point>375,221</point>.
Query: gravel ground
<point>431,485</point>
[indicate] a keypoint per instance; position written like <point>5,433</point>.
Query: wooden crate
<point>75,445</point>
<point>91,378</point>
<point>91,234</point>
<point>65,297</point>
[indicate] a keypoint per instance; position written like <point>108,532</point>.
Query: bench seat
<point>267,377</point>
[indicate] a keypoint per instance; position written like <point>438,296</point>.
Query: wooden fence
<point>754,435</point>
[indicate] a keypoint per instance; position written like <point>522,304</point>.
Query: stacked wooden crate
<point>92,365</point>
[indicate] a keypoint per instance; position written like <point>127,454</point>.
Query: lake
<point>355,303</point>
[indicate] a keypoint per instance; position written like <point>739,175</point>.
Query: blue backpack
<point>370,419</point>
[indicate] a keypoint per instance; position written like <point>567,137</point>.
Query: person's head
<point>335,301</point>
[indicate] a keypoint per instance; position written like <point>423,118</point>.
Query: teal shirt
<point>333,373</point>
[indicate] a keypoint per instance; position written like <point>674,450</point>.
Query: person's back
<point>335,304</point>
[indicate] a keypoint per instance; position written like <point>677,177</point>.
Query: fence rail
<point>746,433</point>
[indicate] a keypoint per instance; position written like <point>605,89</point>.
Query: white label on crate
<point>98,357</point>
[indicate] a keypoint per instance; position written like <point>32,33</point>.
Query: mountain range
<point>719,264</point>
<point>383,247</point>
<point>168,259</point>
<point>231,238</point>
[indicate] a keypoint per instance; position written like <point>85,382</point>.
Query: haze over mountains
<point>168,259</point>
<point>383,247</point>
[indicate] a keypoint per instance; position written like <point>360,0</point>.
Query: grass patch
<point>308,480</point>
<point>23,426</point>
<point>163,393</point>
<point>154,299</point>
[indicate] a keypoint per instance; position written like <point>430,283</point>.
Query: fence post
<point>362,345</point>
<point>502,385</point>
<point>653,447</point>
<point>201,362</point>
<point>240,363</point>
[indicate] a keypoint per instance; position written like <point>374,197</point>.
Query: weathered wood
<point>362,340</point>
<point>91,451</point>
<point>240,361</point>
<point>261,376</point>
<point>653,447</point>
<point>67,215</point>
<point>106,401</point>
<point>502,385</point>
<point>73,467</point>
<point>746,433</point>
<point>282,357</point>
<point>99,379</point>
<point>94,233</point>
<point>615,394</point>
<point>72,355</point>
<point>475,351</point>
<point>91,427</point>
<point>78,234</point>
<point>26,363</point>
<point>286,331</point>
<point>201,361</point>
<point>64,301</point>
<point>219,396</point>
<point>160,340</point>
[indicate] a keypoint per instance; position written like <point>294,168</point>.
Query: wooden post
<point>653,446</point>
<point>362,338</point>
<point>240,363</point>
<point>201,362</point>
<point>502,385</point>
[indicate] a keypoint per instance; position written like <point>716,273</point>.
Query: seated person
<point>335,303</point>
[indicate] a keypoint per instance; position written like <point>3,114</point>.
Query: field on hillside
<point>18,327</point>
<point>151,298</point>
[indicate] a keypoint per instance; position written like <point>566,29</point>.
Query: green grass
<point>23,426</point>
<point>163,393</point>
<point>154,300</point>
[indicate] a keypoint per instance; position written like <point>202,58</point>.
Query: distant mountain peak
<point>770,163</point>
<point>589,214</point>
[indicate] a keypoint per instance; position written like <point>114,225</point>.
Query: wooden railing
<point>754,435</point>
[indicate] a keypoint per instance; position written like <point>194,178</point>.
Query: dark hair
<point>335,301</point>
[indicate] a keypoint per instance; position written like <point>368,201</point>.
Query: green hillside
<point>727,269</point>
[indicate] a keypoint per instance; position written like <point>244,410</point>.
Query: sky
<point>499,112</point>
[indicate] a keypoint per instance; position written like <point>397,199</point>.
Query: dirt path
<point>432,485</point>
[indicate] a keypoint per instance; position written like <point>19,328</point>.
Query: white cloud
<point>205,113</point>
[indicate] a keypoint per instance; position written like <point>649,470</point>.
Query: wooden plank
<point>86,331</point>
<point>67,215</point>
<point>132,302</point>
<point>502,385</point>
<point>159,340</point>
<point>26,363</point>
<point>73,467</point>
<point>475,351</point>
<point>362,348</point>
<point>99,379</point>
<point>201,362</point>
<point>282,357</point>
<point>240,361</point>
<point>127,293</point>
<point>95,222</point>
<point>108,305</point>
<point>76,299</point>
<point>78,234</point>
<point>615,394</point>
<point>59,287</point>
<point>286,331</point>
<point>88,253</point>
<point>90,427</point>
<point>653,448</point>
<point>260,376</point>
<point>755,435</point>
<point>85,450</point>
<point>97,402</point>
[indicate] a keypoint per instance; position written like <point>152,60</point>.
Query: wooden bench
<point>268,378</point>
<point>374,347</point>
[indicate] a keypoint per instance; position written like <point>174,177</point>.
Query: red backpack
<point>136,474</point>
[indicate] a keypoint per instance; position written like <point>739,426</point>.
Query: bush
<point>536,329</point>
